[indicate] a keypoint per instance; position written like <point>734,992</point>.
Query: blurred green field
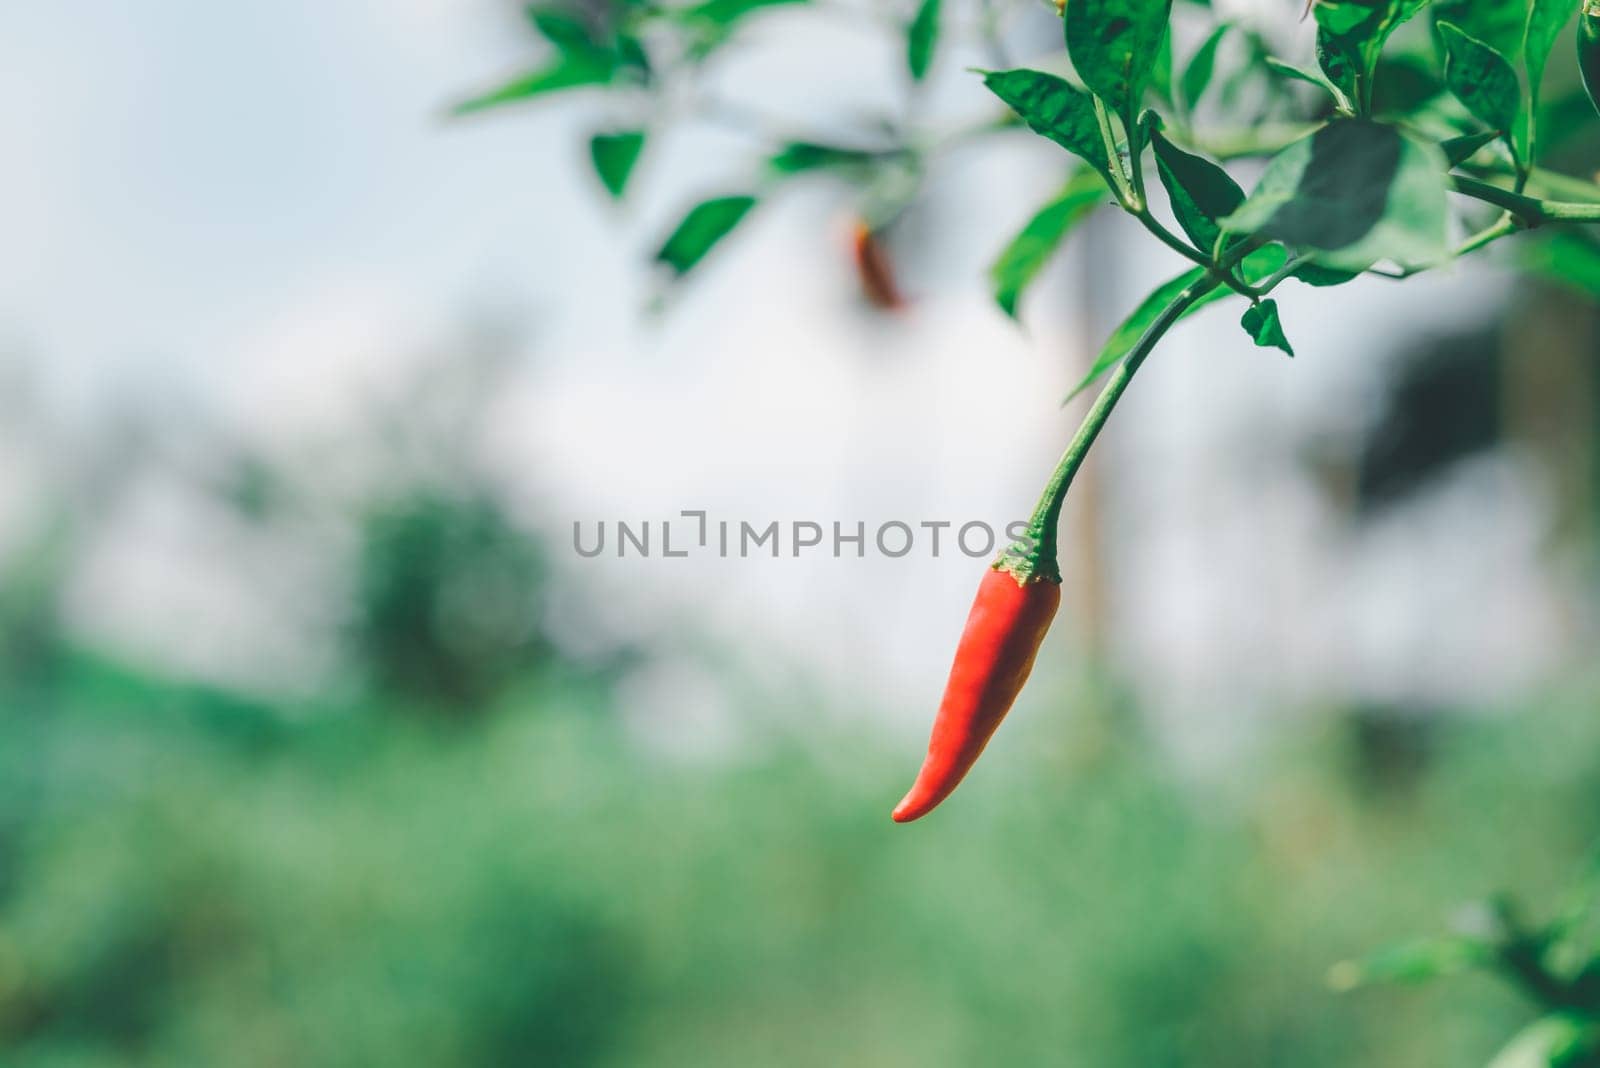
<point>190,877</point>
<point>458,848</point>
<point>460,840</point>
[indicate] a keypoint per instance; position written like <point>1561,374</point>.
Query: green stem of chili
<point>1033,558</point>
<point>1188,252</point>
<point>1530,210</point>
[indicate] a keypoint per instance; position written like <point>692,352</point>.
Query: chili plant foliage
<point>1408,134</point>
<point>1552,963</point>
<point>1411,135</point>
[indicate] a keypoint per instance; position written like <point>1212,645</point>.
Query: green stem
<point>1531,210</point>
<point>1560,211</point>
<point>1124,191</point>
<point>1505,226</point>
<point>1135,135</point>
<point>1033,558</point>
<point>1271,282</point>
<point>1189,252</point>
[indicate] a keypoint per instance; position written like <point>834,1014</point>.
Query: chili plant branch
<point>1125,194</point>
<point>1271,282</point>
<point>1046,517</point>
<point>1136,137</point>
<point>1223,274</point>
<point>1530,210</point>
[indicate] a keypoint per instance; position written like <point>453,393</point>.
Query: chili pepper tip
<point>905,811</point>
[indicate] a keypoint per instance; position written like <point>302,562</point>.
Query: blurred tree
<point>448,599</point>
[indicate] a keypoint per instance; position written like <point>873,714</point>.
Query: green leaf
<point>797,157</point>
<point>1261,323</point>
<point>579,61</point>
<point>1322,277</point>
<point>725,13</point>
<point>1481,78</point>
<point>614,155</point>
<point>567,72</point>
<point>1052,107</point>
<point>1201,191</point>
<point>1559,1040</point>
<point>1404,85</point>
<point>707,223</point>
<point>1546,20</point>
<point>1038,240</point>
<point>1341,65</point>
<point>1412,962</point>
<point>1457,150</point>
<point>1344,33</point>
<point>1353,193</point>
<point>1348,18</point>
<point>1256,266</point>
<point>921,36</point>
<point>1500,25</point>
<point>1197,75</point>
<point>1316,78</point>
<point>714,21</point>
<point>631,53</point>
<point>1161,72</point>
<point>1351,35</point>
<point>574,37</point>
<point>1114,45</point>
<point>566,31</point>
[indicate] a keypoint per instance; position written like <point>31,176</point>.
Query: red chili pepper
<point>1007,622</point>
<point>1016,603</point>
<point>874,269</point>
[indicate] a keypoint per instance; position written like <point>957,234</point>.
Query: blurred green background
<point>318,745</point>
<point>454,850</point>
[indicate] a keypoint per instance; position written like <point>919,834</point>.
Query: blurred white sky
<point>260,205</point>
